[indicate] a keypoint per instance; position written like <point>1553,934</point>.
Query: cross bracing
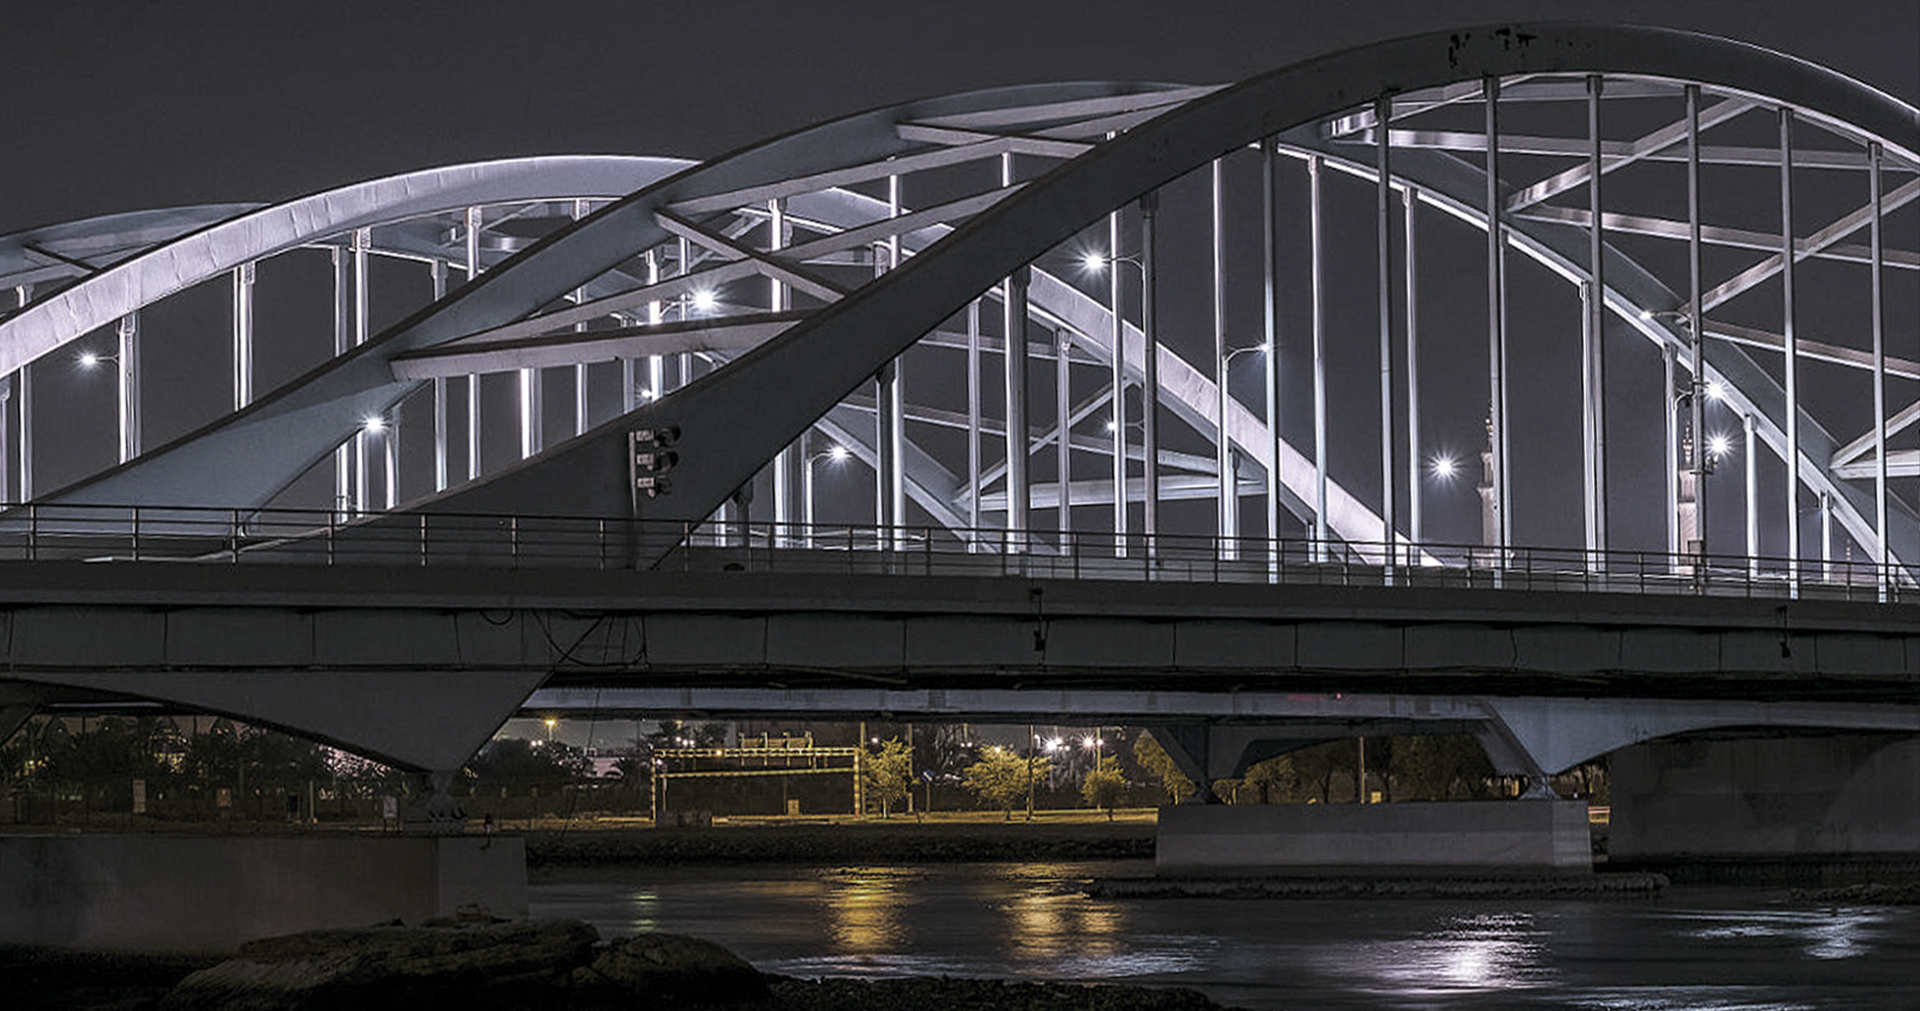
<point>796,272</point>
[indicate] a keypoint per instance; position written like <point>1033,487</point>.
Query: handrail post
<point>332,517</point>
<point>513,540</point>
<point>136,533</point>
<point>423,540</point>
<point>603,545</point>
<point>233,536</point>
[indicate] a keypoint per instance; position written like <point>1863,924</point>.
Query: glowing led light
<point>704,300</point>
<point>1444,467</point>
<point>1715,390</point>
<point>1112,425</point>
<point>376,424</point>
<point>1719,445</point>
<point>837,453</point>
<point>88,359</point>
<point>1094,262</point>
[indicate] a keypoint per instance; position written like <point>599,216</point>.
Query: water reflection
<point>1712,949</point>
<point>863,907</point>
<point>1467,954</point>
<point>1843,932</point>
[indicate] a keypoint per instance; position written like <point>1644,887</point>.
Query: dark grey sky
<point>123,104</point>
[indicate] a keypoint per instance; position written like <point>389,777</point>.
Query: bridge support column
<point>13,717</point>
<point>434,811</point>
<point>1191,748</point>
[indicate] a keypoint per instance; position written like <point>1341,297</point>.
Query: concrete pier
<point>1478,839</point>
<point>211,893</point>
<point>1840,796</point>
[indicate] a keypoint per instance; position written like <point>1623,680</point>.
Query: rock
<point>668,970</point>
<point>480,965</point>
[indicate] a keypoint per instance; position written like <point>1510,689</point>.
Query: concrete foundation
<point>1837,796</point>
<point>210,894</point>
<point>1484,839</point>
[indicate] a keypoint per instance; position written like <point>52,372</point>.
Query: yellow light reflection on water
<point>864,912</point>
<point>1045,920</point>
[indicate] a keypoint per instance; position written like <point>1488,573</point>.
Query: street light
<point>1262,347</point>
<point>390,433</point>
<point>1095,261</point>
<point>837,454</point>
<point>1443,467</point>
<point>551,722</point>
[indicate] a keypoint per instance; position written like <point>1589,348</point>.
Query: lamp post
<point>389,432</point>
<point>126,388</point>
<point>1226,459</point>
<point>1096,262</point>
<point>836,454</point>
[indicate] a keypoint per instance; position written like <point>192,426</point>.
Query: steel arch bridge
<point>1640,310</point>
<point>1660,284</point>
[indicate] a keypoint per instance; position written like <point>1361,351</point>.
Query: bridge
<point>1542,382</point>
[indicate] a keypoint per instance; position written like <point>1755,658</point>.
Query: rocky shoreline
<point>478,963</point>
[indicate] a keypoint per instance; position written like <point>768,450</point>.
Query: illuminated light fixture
<point>1719,445</point>
<point>648,394</point>
<point>1716,390</point>
<point>704,300</point>
<point>1112,425</point>
<point>1444,467</point>
<point>376,424</point>
<point>837,453</point>
<point>88,359</point>
<point>1094,262</point>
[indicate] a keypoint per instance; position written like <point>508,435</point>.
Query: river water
<point>1693,948</point>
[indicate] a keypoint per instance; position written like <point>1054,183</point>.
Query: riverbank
<point>1050,836</point>
<point>510,966</point>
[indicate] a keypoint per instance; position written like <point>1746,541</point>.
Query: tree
<point>1433,767</point>
<point>1001,778</point>
<point>889,774</point>
<point>1271,775</point>
<point>1150,754</point>
<point>1104,786</point>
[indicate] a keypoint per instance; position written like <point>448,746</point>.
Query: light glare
<point>1094,262</point>
<point>1444,467</point>
<point>704,299</point>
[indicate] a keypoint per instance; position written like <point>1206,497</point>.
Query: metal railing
<point>109,534</point>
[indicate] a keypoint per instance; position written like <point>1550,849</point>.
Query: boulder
<point>669,970</point>
<point>479,963</point>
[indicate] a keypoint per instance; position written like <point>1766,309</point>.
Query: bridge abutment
<point>1476,839</point>
<point>213,893</point>
<point>1852,796</point>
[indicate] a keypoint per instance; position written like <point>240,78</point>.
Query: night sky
<point>124,104</point>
